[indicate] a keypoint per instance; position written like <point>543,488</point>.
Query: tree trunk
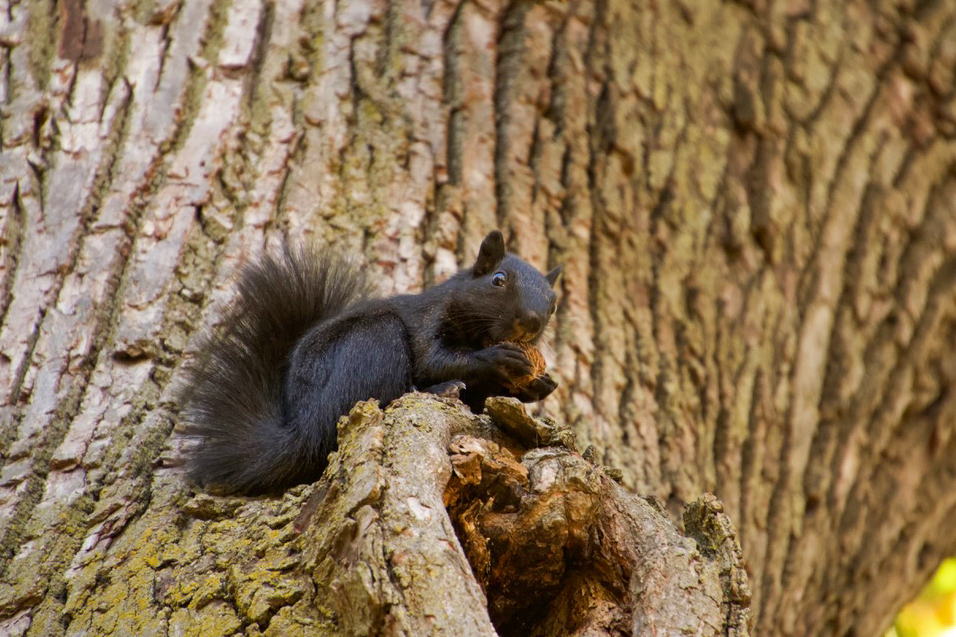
<point>755,207</point>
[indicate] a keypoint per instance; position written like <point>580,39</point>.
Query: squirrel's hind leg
<point>338,364</point>
<point>448,389</point>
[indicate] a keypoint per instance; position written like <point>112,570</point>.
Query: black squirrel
<point>303,341</point>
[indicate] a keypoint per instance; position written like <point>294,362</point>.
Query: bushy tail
<point>232,401</point>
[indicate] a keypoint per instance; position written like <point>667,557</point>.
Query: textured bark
<point>755,205</point>
<point>561,549</point>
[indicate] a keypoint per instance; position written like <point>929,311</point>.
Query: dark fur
<point>302,343</point>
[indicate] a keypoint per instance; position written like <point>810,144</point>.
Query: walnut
<point>537,366</point>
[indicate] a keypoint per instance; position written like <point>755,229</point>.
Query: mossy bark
<point>753,203</point>
<point>370,549</point>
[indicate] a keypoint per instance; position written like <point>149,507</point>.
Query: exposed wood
<point>561,549</point>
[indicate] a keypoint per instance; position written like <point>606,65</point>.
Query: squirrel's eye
<point>553,307</point>
<point>499,279</point>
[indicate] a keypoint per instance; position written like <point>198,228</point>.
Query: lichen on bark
<point>546,545</point>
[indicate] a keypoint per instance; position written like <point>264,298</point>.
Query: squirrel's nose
<point>532,323</point>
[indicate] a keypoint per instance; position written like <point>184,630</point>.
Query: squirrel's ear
<point>491,252</point>
<point>553,275</point>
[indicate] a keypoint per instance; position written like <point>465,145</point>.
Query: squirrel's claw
<point>449,389</point>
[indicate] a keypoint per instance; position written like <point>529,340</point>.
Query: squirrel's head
<point>504,298</point>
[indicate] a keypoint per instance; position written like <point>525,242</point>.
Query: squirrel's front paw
<point>505,362</point>
<point>543,385</point>
<point>538,389</point>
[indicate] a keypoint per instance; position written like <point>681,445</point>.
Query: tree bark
<point>754,204</point>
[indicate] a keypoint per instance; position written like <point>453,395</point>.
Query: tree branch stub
<point>556,545</point>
